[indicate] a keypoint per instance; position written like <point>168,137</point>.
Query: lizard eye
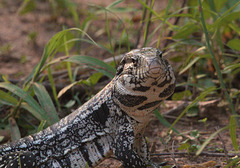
<point>159,53</point>
<point>134,61</point>
<point>120,67</point>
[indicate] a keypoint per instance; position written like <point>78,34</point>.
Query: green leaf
<point>234,44</point>
<point>220,4</point>
<point>1,138</point>
<point>190,42</point>
<point>54,44</point>
<point>180,95</point>
<point>70,103</point>
<point>68,42</point>
<point>114,4</point>
<point>231,67</point>
<point>193,61</point>
<point>94,64</point>
<point>235,27</point>
<point>66,88</point>
<point>94,43</point>
<point>192,111</point>
<point>58,40</point>
<point>184,146</point>
<point>15,133</point>
<point>54,91</point>
<point>41,126</point>
<point>46,102</point>
<point>232,130</point>
<point>227,17</point>
<point>186,30</point>
<point>206,82</point>
<point>27,6</point>
<point>7,99</point>
<point>203,120</point>
<point>41,114</point>
<point>234,162</point>
<point>221,21</point>
<point>93,79</point>
<point>178,58</point>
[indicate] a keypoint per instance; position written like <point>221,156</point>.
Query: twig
<point>176,110</point>
<point>182,154</point>
<point>173,117</point>
<point>175,23</point>
<point>223,143</point>
<point>173,156</point>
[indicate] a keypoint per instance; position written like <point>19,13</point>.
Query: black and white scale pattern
<point>112,122</point>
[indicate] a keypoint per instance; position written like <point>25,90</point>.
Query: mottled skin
<point>113,121</point>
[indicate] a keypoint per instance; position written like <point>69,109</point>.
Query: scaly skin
<point>113,121</point>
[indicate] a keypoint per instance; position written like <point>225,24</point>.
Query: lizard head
<point>144,78</point>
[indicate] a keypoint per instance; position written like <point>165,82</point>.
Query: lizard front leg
<point>123,147</point>
<point>141,147</point>
<point>23,159</point>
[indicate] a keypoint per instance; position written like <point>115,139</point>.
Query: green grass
<point>198,50</point>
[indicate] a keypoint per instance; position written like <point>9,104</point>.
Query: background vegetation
<point>201,39</point>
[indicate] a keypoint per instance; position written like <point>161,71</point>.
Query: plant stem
<point>148,24</point>
<point>223,87</point>
<point>163,23</point>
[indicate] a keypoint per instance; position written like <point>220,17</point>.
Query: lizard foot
<point>19,159</point>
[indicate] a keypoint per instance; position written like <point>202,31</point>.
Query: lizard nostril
<point>154,68</point>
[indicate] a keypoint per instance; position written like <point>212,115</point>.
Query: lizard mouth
<point>156,69</point>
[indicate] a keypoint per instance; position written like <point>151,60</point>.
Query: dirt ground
<point>22,40</point>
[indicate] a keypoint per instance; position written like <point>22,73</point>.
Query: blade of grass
<point>145,36</point>
<point>46,102</point>
<point>15,133</point>
<point>164,21</point>
<point>94,64</point>
<point>223,87</point>
<point>9,100</point>
<point>200,97</point>
<point>232,130</point>
<point>154,12</point>
<point>114,4</point>
<point>108,32</point>
<point>68,63</point>
<point>66,88</point>
<point>41,126</point>
<point>26,97</point>
<point>193,61</point>
<point>54,91</point>
<point>234,162</point>
<point>218,34</point>
<point>164,121</point>
<point>5,97</point>
<point>224,15</point>
<point>36,71</point>
<point>144,13</point>
<point>210,138</point>
<point>109,9</point>
<point>54,44</point>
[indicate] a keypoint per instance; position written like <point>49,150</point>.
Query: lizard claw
<point>155,165</point>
